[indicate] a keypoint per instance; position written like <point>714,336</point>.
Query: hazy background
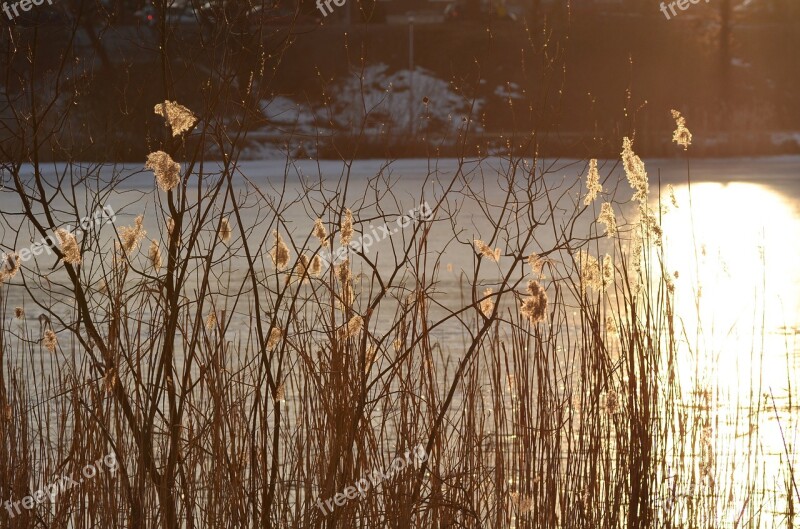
<point>554,78</point>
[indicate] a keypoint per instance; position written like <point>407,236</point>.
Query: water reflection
<point>737,299</point>
<point>738,286</point>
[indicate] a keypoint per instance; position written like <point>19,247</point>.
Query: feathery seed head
<point>534,307</point>
<point>316,266</point>
<point>131,237</point>
<point>487,305</point>
<point>594,274</point>
<point>536,263</point>
<point>486,251</point>
<point>534,288</point>
<point>280,393</point>
<point>167,171</point>
<point>651,224</point>
<point>50,341</point>
<point>593,185</point>
<point>352,328</point>
<point>69,246</point>
<point>344,276</point>
<point>302,266</point>
<point>608,218</point>
<point>681,136</point>
<point>154,253</point>
<point>635,171</point>
<point>346,233</point>
<point>9,266</point>
<point>275,336</point>
<point>343,273</point>
<point>320,232</point>
<point>607,272</point>
<point>178,117</point>
<point>636,247</point>
<point>671,193</point>
<point>280,252</point>
<point>225,231</point>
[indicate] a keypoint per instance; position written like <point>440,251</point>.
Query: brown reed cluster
<point>280,253</point>
<point>154,255</point>
<point>9,267</point>
<point>534,306</point>
<point>167,171</point>
<point>179,118</point>
<point>69,246</point>
<point>593,186</point>
<point>131,236</point>
<point>239,386</point>
<point>486,251</point>
<point>681,136</point>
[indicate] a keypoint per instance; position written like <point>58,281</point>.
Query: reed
<point>525,333</point>
<point>236,388</point>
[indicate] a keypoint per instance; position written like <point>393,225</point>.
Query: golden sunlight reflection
<point>737,311</point>
<point>738,285</point>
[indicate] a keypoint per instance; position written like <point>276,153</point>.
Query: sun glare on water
<point>737,311</point>
<point>738,284</point>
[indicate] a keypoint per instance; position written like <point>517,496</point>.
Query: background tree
<point>725,29</point>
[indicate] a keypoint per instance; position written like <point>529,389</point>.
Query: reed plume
<point>534,307</point>
<point>179,118</point>
<point>275,336</point>
<point>167,171</point>
<point>346,233</point>
<point>681,136</point>
<point>486,251</point>
<point>280,393</point>
<point>50,340</point>
<point>131,236</point>
<point>635,171</point>
<point>608,218</point>
<point>10,266</point>
<point>69,246</point>
<point>225,231</point>
<point>351,328</point>
<point>320,232</point>
<point>487,305</point>
<point>280,252</point>
<point>154,254</point>
<point>593,186</point>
